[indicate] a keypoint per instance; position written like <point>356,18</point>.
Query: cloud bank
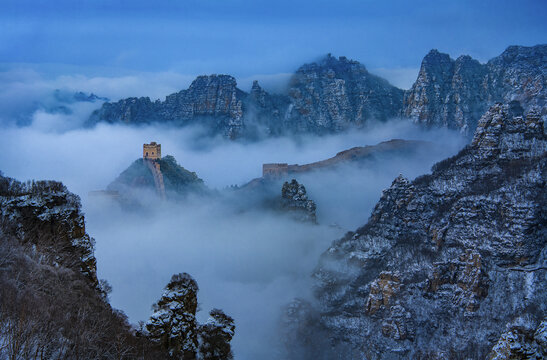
<point>247,263</point>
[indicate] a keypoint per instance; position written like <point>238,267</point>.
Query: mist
<point>249,263</point>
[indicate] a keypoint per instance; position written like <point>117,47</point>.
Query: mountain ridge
<point>427,275</point>
<point>336,94</point>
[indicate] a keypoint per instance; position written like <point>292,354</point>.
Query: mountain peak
<point>213,79</point>
<point>506,132</point>
<point>436,60</point>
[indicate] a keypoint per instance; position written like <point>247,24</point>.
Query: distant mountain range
<point>335,94</point>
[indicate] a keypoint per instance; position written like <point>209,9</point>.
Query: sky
<point>256,38</point>
<point>254,264</point>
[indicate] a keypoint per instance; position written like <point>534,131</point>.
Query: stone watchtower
<point>151,151</point>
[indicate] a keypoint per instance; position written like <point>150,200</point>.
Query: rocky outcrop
<point>455,93</point>
<point>519,74</point>
<point>447,93</point>
<point>524,339</point>
<point>45,215</point>
<point>265,113</point>
<point>174,327</point>
<point>447,262</point>
<point>295,200</point>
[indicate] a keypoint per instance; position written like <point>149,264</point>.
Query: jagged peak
<point>329,58</point>
<point>400,180</point>
<point>515,49</point>
<point>436,54</point>
<point>533,54</point>
<point>434,58</point>
<point>182,281</point>
<point>256,88</point>
<point>466,59</point>
<point>505,130</point>
<point>207,80</point>
<point>330,62</point>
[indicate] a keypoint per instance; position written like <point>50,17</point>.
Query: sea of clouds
<point>250,263</point>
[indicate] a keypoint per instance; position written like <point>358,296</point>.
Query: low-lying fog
<point>248,264</point>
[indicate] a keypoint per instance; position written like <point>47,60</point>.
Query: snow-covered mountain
<point>450,265</point>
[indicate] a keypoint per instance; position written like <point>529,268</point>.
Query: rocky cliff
<point>51,303</point>
<point>455,93</point>
<point>449,266</point>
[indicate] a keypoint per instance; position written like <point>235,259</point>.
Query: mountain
<point>335,94</point>
<point>455,93</point>
<point>142,174</point>
<point>450,265</point>
<point>68,97</point>
<point>324,97</point>
<point>44,214</point>
<point>214,101</point>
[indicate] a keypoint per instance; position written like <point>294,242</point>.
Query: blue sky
<point>245,38</point>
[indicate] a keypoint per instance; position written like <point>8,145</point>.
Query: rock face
<point>522,340</point>
<point>455,93</point>
<point>335,94</point>
<point>173,324</point>
<point>295,200</point>
<point>265,113</point>
<point>447,264</point>
<point>44,214</point>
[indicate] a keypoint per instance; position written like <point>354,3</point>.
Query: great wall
<point>151,155</point>
<point>281,170</point>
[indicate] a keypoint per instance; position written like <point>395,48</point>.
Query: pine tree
<point>215,336</point>
<point>173,325</point>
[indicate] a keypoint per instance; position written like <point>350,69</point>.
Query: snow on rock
<point>447,262</point>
